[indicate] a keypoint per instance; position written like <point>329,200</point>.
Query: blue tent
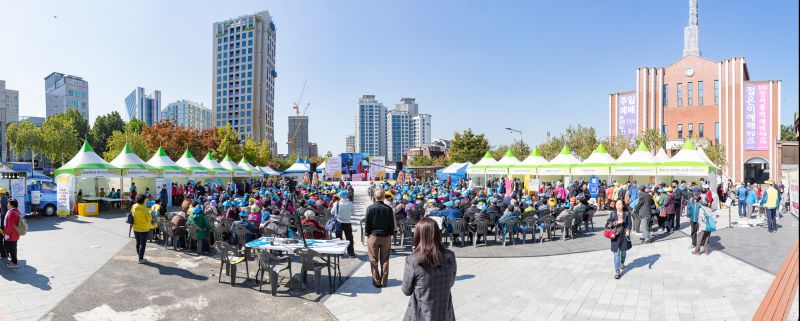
<point>455,170</point>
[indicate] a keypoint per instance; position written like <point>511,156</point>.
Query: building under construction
<point>298,136</point>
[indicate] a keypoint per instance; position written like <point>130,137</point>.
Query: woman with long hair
<point>430,272</point>
<point>620,221</point>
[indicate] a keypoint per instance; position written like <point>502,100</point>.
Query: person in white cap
<point>342,210</point>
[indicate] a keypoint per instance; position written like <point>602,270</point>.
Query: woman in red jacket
<point>10,235</point>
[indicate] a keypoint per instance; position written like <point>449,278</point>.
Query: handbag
<point>333,224</point>
<point>129,219</point>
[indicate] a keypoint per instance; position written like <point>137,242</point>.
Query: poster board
<point>64,188</point>
<point>377,167</point>
<point>793,184</point>
<point>594,184</point>
<point>333,169</point>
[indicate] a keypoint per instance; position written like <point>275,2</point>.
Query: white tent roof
<point>132,164</point>
<point>230,165</point>
<point>487,160</point>
<point>534,159</point>
<point>161,161</point>
<point>565,158</point>
<point>641,157</point>
<point>245,165</point>
<point>690,155</point>
<point>188,162</point>
<point>599,157</point>
<point>624,156</point>
<point>269,171</point>
<point>454,167</point>
<point>661,156</point>
<point>508,160</point>
<point>298,167</point>
<point>211,164</point>
<point>85,159</point>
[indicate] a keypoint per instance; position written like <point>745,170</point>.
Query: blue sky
<point>533,65</point>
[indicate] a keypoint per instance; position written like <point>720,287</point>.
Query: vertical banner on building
<point>64,194</point>
<point>627,120</point>
<point>756,116</point>
<point>794,195</point>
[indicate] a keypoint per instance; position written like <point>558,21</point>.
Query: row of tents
<point>690,161</point>
<point>87,163</point>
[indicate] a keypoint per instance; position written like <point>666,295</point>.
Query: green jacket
<point>202,224</point>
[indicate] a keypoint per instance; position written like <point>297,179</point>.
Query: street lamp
<point>516,131</point>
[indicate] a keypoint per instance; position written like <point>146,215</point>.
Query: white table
<point>332,248</point>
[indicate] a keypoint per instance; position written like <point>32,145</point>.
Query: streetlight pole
<point>516,131</point>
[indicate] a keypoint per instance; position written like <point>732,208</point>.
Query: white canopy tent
<point>529,165</point>
<point>84,170</point>
<point>560,165</point>
<point>597,164</point>
<point>640,163</point>
<point>187,162</point>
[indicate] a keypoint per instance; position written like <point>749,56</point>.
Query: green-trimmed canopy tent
<point>529,165</point>
<point>250,169</point>
<point>211,164</point>
<point>597,164</point>
<point>640,163</point>
<point>84,172</point>
<point>231,166</point>
<point>661,156</point>
<point>478,171</point>
<point>187,162</point>
<point>502,166</point>
<point>269,171</point>
<point>690,161</point>
<point>135,170</point>
<point>165,165</point>
<point>559,165</point>
<point>624,156</point>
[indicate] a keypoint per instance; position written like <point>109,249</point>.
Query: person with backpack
<point>13,227</point>
<point>707,224</point>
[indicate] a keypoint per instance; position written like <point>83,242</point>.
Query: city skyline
<point>523,61</point>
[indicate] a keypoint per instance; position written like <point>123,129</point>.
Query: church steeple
<point>691,42</point>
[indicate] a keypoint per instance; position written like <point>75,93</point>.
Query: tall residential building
<point>398,134</point>
<point>66,91</point>
<point>408,105</point>
<point>421,130</point>
<point>9,113</point>
<point>244,76</point>
<point>350,144</point>
<point>312,150</point>
<point>714,100</point>
<point>370,126</point>
<point>188,113</point>
<point>35,120</point>
<point>146,108</point>
<point>297,139</point>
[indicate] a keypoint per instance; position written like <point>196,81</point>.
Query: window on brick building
<point>700,93</point>
<point>689,93</point>
<point>664,95</point>
<point>680,131</point>
<point>716,132</point>
<point>700,130</point>
<point>664,131</point>
<point>691,130</point>
<point>680,94</point>
<point>716,91</point>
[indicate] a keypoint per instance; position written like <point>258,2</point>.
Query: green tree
<point>250,150</point>
<point>581,140</point>
<point>616,145</point>
<point>23,137</point>
<point>442,161</point>
<point>264,154</point>
<point>421,160</point>
<point>499,151</point>
<point>229,143</point>
<point>60,139</point>
<point>135,140</point>
<point>80,124</point>
<point>715,152</point>
<point>521,149</point>
<point>134,126</point>
<point>104,127</point>
<point>653,138</point>
<point>468,147</point>
<point>787,133</point>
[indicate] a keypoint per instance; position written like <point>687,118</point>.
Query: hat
<point>668,189</point>
<point>566,205</point>
<point>343,194</point>
<point>226,203</point>
<point>255,208</point>
<point>551,202</point>
<point>311,202</point>
<point>768,182</point>
<point>150,203</point>
<point>309,214</point>
<point>197,209</point>
<point>448,204</point>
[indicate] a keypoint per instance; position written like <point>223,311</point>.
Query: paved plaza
<point>84,269</point>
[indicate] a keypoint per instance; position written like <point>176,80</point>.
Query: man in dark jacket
<point>677,195</point>
<point>643,211</point>
<point>379,227</point>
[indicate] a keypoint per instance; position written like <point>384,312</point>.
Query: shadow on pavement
<point>168,270</point>
<point>26,274</point>
<point>465,277</point>
<point>642,261</point>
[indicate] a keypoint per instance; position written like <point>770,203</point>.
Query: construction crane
<point>298,123</point>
